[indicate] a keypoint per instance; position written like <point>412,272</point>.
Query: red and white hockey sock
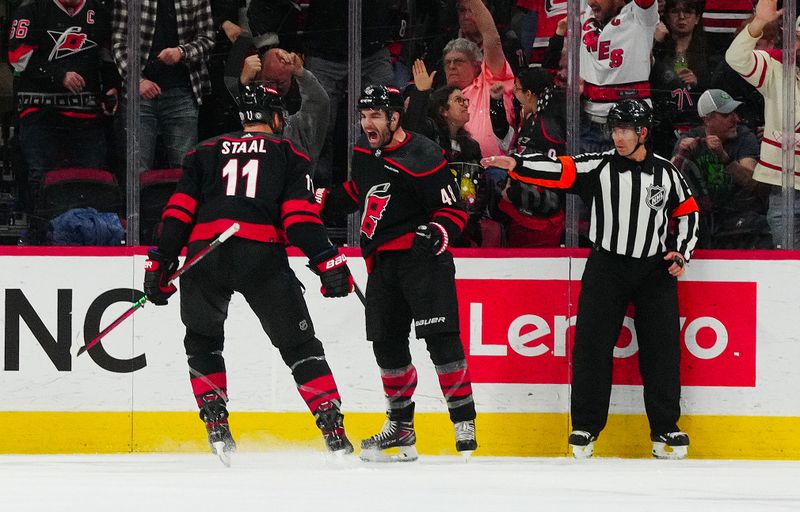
<point>208,387</point>
<point>399,385</point>
<point>457,390</point>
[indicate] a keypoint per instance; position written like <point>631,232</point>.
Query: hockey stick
<point>359,293</point>
<point>141,302</point>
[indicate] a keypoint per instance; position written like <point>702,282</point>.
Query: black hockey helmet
<point>381,97</point>
<point>257,103</point>
<point>635,113</point>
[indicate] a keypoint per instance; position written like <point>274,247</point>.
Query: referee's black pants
<point>610,282</point>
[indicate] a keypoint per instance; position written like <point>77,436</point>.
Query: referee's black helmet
<point>630,113</point>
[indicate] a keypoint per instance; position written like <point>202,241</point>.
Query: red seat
<point>78,187</point>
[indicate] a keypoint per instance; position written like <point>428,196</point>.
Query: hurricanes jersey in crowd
<point>550,13</point>
<point>396,191</point>
<point>258,180</point>
<point>631,203</point>
<point>726,16</point>
<point>615,58</point>
<point>46,40</point>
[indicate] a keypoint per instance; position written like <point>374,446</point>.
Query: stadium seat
<point>78,187</point>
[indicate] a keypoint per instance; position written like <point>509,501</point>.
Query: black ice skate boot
<point>395,434</point>
<point>672,445</point>
<point>582,444</point>
<point>465,437</point>
<point>215,415</point>
<point>331,422</point>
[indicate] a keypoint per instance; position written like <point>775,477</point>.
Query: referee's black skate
<point>582,444</point>
<point>465,437</point>
<point>215,415</point>
<point>394,443</point>
<point>331,422</point>
<point>672,445</point>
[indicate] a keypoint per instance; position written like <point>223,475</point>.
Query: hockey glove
<point>157,271</point>
<point>430,239</point>
<point>331,267</point>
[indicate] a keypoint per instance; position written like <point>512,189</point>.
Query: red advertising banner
<point>521,331</point>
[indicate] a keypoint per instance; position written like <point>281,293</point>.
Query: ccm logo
<point>335,262</point>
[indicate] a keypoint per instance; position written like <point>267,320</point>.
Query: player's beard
<point>378,136</point>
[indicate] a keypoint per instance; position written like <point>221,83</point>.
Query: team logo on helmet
<point>656,197</point>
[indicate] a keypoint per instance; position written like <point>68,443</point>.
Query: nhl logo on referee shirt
<point>656,197</point>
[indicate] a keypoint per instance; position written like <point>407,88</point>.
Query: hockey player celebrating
<point>632,194</point>
<point>411,211</point>
<point>259,180</point>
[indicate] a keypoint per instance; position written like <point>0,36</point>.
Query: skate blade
<point>224,456</point>
<point>340,454</point>
<point>664,451</point>
<point>582,452</point>
<point>466,454</point>
<point>404,454</point>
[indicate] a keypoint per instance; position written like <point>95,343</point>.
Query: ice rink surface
<point>310,481</point>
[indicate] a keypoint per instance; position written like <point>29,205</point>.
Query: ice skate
<point>331,422</point>
<point>394,443</point>
<point>582,444</point>
<point>672,445</point>
<point>465,438</point>
<point>220,440</point>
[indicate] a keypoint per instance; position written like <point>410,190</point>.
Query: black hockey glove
<point>431,240</point>
<point>331,267</point>
<point>157,271</point>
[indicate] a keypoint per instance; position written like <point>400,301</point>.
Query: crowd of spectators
<point>480,77</point>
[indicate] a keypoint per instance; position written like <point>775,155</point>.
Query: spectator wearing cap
<point>718,159</point>
<point>764,70</point>
<point>474,72</point>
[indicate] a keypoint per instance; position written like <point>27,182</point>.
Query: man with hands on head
<point>632,195</point>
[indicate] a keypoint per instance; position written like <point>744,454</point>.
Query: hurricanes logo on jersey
<point>69,42</point>
<point>656,197</point>
<point>377,199</point>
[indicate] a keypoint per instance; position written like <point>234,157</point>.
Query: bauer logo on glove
<point>331,267</point>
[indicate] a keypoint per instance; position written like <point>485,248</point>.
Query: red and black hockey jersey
<point>396,191</point>
<point>258,180</point>
<point>46,40</point>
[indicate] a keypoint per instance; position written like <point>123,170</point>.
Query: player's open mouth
<point>372,136</point>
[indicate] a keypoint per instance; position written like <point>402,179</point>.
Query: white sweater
<point>765,72</point>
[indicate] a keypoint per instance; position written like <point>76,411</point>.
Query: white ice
<point>310,481</point>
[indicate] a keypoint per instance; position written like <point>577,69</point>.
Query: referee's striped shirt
<point>631,202</point>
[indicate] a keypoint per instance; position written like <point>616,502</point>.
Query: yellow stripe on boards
<point>499,434</point>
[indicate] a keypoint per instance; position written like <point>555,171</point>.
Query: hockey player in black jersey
<point>411,210</point>
<point>259,180</point>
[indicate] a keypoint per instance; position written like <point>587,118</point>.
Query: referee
<point>633,194</point>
